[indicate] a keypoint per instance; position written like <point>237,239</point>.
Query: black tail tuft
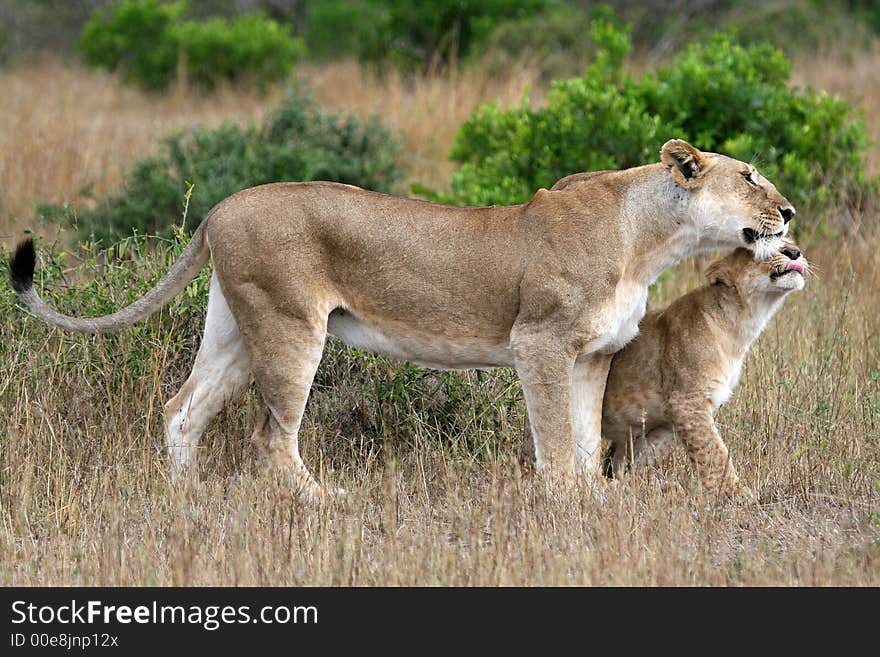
<point>21,266</point>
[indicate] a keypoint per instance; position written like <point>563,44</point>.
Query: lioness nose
<point>787,213</point>
<point>791,252</point>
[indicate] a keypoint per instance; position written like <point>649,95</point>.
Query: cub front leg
<point>694,424</point>
<point>546,380</point>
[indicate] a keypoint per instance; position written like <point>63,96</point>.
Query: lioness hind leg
<point>220,371</point>
<point>285,353</point>
<point>280,449</point>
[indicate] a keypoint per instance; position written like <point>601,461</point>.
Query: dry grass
<point>84,496</point>
<point>63,128</point>
<point>426,111</point>
<point>855,76</point>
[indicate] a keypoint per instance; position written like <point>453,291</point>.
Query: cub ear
<point>685,163</point>
<point>719,273</point>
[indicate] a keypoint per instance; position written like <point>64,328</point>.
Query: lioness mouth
<point>751,236</point>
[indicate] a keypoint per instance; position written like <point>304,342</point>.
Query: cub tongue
<point>797,266</point>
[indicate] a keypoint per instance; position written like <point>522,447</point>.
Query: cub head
<point>732,203</point>
<point>780,274</point>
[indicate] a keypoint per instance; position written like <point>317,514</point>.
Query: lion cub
<point>685,363</point>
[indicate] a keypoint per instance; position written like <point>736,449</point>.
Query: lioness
<point>685,364</point>
<point>552,288</point>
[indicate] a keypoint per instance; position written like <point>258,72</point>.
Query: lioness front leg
<point>526,454</point>
<point>546,380</point>
<point>693,422</point>
<point>587,391</point>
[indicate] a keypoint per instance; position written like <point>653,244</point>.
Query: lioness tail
<point>21,273</point>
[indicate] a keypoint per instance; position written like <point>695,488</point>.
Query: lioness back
<point>378,255</point>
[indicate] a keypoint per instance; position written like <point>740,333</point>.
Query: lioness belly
<point>434,350</point>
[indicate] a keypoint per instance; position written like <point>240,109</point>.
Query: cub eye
<point>748,176</point>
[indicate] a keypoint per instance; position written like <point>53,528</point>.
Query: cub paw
<point>742,494</point>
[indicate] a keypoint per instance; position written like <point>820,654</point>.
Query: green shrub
<point>866,10</point>
<point>249,46</point>
<point>343,28</point>
<point>135,38</point>
<point>414,34</point>
<point>297,142</point>
<point>147,42</point>
<point>737,101</point>
<point>721,96</point>
<point>798,26</point>
<point>556,41</point>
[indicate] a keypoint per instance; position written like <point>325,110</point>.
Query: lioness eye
<point>748,176</point>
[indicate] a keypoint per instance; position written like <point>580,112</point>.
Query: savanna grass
<point>435,495</point>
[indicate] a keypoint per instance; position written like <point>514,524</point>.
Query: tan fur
<point>685,363</point>
<point>550,287</point>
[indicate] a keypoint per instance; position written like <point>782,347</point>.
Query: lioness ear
<point>685,163</point>
<point>719,273</point>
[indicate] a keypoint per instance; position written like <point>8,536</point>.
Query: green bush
<point>738,102</point>
<point>343,28</point>
<point>721,96</point>
<point>555,40</point>
<point>798,26</point>
<point>297,142</point>
<point>136,38</point>
<point>249,46</point>
<point>147,42</point>
<point>411,34</point>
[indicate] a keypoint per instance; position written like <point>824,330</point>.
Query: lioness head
<point>782,273</point>
<point>731,198</point>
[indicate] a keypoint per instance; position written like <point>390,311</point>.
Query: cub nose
<point>791,252</point>
<point>787,213</point>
